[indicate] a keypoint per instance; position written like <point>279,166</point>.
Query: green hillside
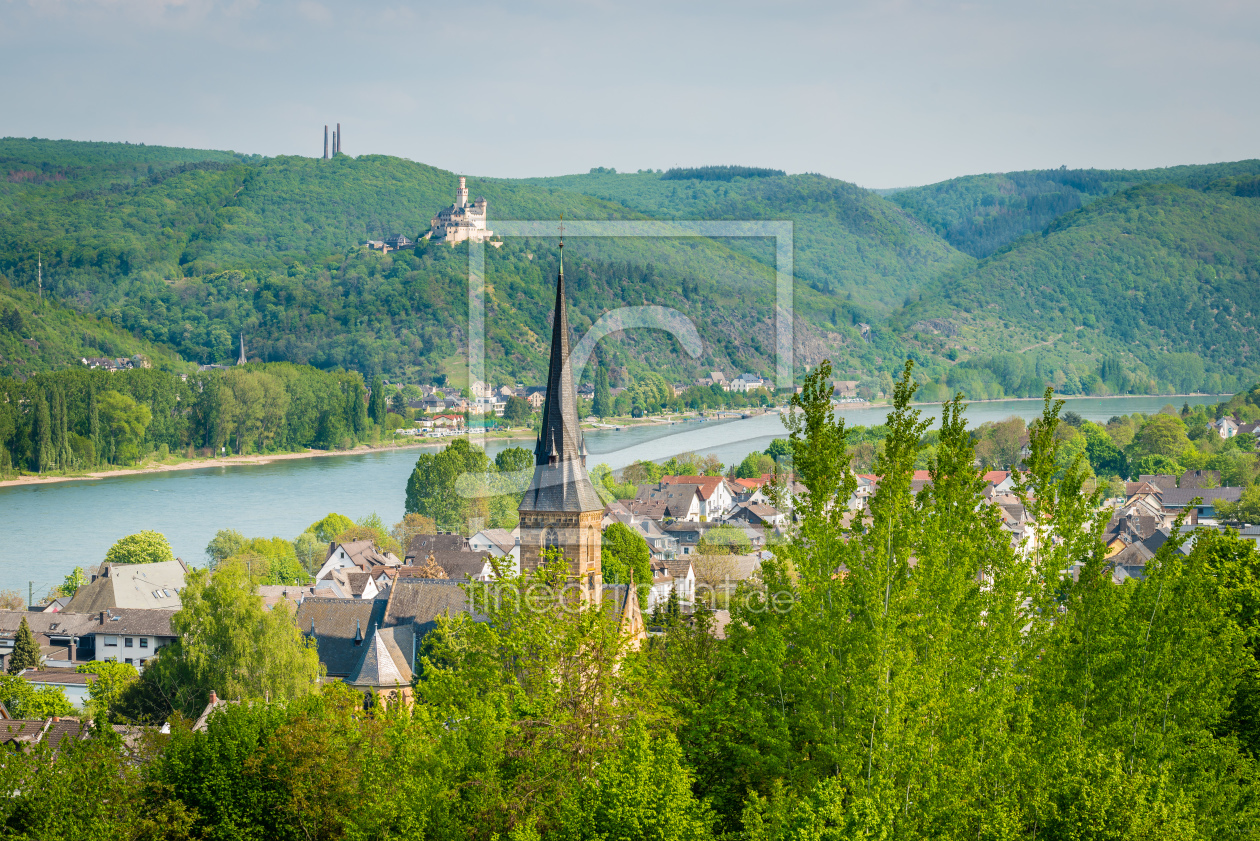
<point>36,338</point>
<point>198,251</point>
<point>851,244</point>
<point>978,214</point>
<point>1159,282</point>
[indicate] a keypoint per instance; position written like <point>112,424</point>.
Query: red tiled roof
<point>707,485</point>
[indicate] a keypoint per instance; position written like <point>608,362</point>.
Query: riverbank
<point>236,461</point>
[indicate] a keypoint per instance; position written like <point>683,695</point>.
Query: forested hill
<point>978,214</point>
<point>1163,274</point>
<point>1094,281</point>
<point>187,253</point>
<point>864,251</point>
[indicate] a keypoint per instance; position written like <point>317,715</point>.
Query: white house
<point>500,543</point>
<point>716,496</point>
<point>360,554</point>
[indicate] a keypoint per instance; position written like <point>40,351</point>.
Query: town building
<point>560,509</point>
<point>461,221</point>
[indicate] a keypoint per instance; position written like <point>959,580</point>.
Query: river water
<point>53,528</point>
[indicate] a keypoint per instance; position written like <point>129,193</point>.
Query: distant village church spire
<point>241,359</point>
<point>561,508</point>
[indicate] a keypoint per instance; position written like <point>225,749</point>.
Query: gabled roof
<point>419,601</point>
<point>707,486</point>
<point>131,586</point>
<point>1180,497</point>
<point>669,500</point>
<point>458,566</point>
<point>337,623</point>
<point>364,554</point>
<point>421,545</point>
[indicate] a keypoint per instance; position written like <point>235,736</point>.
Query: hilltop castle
<point>461,221</point>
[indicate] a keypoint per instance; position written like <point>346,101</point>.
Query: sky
<point>883,94</point>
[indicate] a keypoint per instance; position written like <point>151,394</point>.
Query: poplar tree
<point>376,402</point>
<point>602,406</point>
<point>26,653</point>
<point>42,433</point>
<point>94,419</point>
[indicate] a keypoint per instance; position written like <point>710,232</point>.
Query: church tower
<point>561,508</point>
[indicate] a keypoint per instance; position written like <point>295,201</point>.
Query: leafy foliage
<point>144,547</point>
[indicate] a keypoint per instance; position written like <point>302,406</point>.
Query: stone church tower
<point>561,508</point>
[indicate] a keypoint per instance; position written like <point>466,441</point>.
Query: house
<point>844,388</point>
<point>353,583</point>
<point>451,421</point>
<point>499,543</point>
<point>716,496</point>
<point>1226,427</point>
<point>667,501</point>
<point>339,628</point>
<point>361,555</point>
<point>74,684</point>
<point>420,545</point>
<point>393,242</point>
<point>1178,499</point>
<point>1200,479</point>
<point>26,734</point>
<point>760,514</point>
<point>535,397</point>
<point>688,534</point>
<point>662,584</point>
<point>747,382</point>
<point>682,574</point>
<point>143,586</point>
<point>458,566</point>
<point>1003,481</point>
<point>68,639</point>
<point>1163,481</point>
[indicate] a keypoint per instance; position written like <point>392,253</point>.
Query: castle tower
<point>561,508</point>
<point>461,195</point>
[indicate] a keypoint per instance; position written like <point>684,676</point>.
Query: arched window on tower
<point>551,540</point>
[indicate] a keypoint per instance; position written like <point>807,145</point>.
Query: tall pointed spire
<point>560,481</point>
<point>241,359</point>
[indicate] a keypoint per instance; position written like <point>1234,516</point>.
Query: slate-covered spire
<point>560,481</point>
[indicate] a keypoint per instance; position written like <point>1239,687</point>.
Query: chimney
<point>325,142</point>
<point>338,138</point>
<point>102,617</point>
<point>214,698</point>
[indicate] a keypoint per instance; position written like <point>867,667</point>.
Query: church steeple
<point>561,508</point>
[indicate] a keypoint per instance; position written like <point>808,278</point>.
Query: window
<point>144,642</point>
<point>129,663</point>
<point>111,641</point>
<point>127,642</point>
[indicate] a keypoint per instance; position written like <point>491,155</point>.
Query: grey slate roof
<point>419,547</point>
<point>560,481</point>
<point>382,664</point>
<point>337,622</point>
<point>419,601</point>
<point>131,586</point>
<point>1180,497</point>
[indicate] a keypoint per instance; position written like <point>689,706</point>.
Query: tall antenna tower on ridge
<point>40,275</point>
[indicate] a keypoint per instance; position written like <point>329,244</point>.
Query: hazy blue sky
<point>880,93</point>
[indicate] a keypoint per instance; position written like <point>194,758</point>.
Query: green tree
<point>449,487</point>
<point>124,423</point>
<point>1104,456</point>
<point>517,411</point>
<point>26,654</point>
<point>224,544</point>
<point>754,466</point>
<point>779,449</point>
<point>227,641</point>
<point>623,551</point>
<point>144,547</point>
<point>1161,435</point>
<point>376,402</point>
<point>73,581</point>
<point>602,406</point>
<point>310,551</point>
<point>514,460</point>
<point>44,454</point>
<point>330,526</point>
<point>113,679</point>
<point>1245,510</point>
<point>24,700</point>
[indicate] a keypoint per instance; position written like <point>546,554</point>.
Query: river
<point>53,528</point>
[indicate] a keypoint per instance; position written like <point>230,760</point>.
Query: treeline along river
<point>53,528</point>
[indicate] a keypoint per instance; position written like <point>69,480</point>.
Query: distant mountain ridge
<point>1077,273</point>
